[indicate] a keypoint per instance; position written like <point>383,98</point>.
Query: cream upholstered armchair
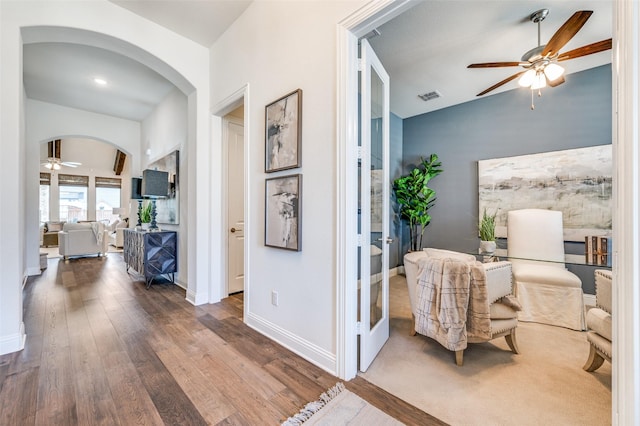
<point>548,293</point>
<point>493,308</point>
<point>599,322</point>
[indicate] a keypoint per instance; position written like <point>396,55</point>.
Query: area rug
<point>338,406</point>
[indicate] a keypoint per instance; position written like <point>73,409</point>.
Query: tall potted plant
<point>416,198</point>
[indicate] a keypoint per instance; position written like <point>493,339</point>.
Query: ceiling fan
<point>54,162</point>
<point>541,63</point>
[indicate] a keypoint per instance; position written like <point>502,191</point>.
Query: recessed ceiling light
<point>100,81</point>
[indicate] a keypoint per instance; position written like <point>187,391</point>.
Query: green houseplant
<point>487,231</point>
<point>416,198</point>
<point>145,213</point>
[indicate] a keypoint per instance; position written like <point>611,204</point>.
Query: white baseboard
<point>33,271</point>
<point>307,350</point>
<point>13,342</point>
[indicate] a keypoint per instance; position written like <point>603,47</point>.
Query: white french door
<point>374,206</point>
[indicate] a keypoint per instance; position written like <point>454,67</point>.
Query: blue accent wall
<point>395,171</point>
<point>573,115</point>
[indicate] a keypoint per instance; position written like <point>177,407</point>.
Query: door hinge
<point>361,64</point>
<point>358,328</point>
<point>359,240</point>
<point>359,153</point>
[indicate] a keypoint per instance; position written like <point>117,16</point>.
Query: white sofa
<point>82,239</point>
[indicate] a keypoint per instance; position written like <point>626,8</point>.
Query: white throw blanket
<point>452,302</point>
<point>97,228</point>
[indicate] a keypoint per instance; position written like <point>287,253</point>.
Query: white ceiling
<point>63,73</point>
<point>427,48</point>
<point>202,21</point>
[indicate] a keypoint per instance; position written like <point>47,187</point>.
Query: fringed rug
<point>338,406</point>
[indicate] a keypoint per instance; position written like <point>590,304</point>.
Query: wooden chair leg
<point>594,361</point>
<point>512,342</point>
<point>459,358</point>
<point>413,325</point>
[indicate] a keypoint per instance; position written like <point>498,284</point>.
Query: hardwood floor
<point>101,349</point>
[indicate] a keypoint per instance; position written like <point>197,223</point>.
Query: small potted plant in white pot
<point>487,229</point>
<point>145,215</point>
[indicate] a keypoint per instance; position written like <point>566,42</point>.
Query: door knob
<point>387,240</point>
<point>233,230</point>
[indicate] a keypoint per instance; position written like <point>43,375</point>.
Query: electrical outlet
<point>274,298</point>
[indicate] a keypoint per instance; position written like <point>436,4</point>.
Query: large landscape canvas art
<point>577,182</point>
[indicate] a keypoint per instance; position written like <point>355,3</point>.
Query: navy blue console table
<point>151,253</point>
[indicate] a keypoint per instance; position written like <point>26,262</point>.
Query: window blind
<point>45,178</point>
<point>106,182</point>
<point>72,180</point>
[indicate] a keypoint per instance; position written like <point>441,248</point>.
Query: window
<point>107,198</point>
<point>45,184</point>
<point>73,197</point>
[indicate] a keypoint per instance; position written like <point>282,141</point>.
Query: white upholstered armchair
<point>599,322</point>
<point>548,293</point>
<point>487,314</point>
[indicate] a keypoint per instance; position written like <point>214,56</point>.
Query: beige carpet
<point>543,385</point>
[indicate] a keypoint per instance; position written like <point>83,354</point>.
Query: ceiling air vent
<point>430,96</point>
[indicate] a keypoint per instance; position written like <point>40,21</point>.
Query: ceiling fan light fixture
<point>527,78</point>
<point>553,71</point>
<point>539,81</point>
<point>49,166</point>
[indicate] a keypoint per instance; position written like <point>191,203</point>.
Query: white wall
<point>277,47</point>
<point>12,193</point>
<point>104,24</point>
<point>164,131</point>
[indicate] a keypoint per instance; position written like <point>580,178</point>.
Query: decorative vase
<point>488,247</point>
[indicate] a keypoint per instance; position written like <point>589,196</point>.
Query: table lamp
<point>136,194</point>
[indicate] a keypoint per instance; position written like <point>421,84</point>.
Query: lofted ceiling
<point>425,49</point>
<point>429,47</point>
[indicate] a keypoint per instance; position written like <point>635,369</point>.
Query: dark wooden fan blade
<point>566,32</point>
<point>599,46</point>
<point>557,82</point>
<point>495,65</point>
<point>505,81</point>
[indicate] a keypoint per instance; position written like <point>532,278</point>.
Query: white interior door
<point>374,206</point>
<point>235,206</point>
